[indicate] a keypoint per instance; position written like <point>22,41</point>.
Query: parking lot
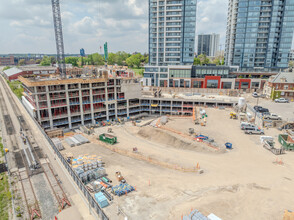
<point>286,110</point>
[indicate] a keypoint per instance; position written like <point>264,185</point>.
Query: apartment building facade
<point>259,34</point>
<point>208,44</point>
<point>171,32</point>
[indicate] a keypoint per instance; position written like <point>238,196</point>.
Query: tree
<point>6,68</point>
<point>135,60</point>
<point>21,62</point>
<point>291,64</point>
<point>98,59</point>
<point>52,60</point>
<point>38,61</point>
<point>111,58</point>
<point>46,61</point>
<point>197,61</point>
<point>72,60</point>
<point>202,59</point>
<point>32,61</point>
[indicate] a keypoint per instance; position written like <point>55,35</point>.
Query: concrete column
<point>160,107</point>
<point>68,107</point>
<point>91,103</point>
<point>49,107</point>
<point>81,103</point>
<point>182,108</point>
<point>115,98</point>
<point>106,101</point>
<point>128,108</point>
<point>37,104</point>
<point>171,107</point>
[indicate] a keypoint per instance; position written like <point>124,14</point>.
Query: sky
<point>27,25</point>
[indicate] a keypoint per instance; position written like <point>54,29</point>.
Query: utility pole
<point>59,37</point>
<point>255,110</point>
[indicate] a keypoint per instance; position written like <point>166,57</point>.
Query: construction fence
<point>91,200</point>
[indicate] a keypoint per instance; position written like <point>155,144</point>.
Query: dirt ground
<point>243,183</point>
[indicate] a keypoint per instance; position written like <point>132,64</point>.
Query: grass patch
<point>1,147</point>
<point>5,195</point>
<point>138,72</point>
<point>16,88</point>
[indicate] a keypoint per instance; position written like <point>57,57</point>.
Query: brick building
<point>6,60</point>
<point>280,86</point>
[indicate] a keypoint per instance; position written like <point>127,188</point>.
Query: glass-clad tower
<point>172,26</point>
<point>259,34</point>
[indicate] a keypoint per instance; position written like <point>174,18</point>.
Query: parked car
<point>256,108</point>
<point>254,130</point>
<point>272,116</point>
<point>245,125</point>
<point>255,95</point>
<point>281,100</point>
<point>260,109</point>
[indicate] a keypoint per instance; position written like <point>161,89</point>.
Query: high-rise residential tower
<point>172,32</point>
<point>208,44</point>
<point>259,34</point>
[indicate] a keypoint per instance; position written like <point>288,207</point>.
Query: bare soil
<point>243,183</point>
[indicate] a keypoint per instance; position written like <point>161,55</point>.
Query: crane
<point>59,37</point>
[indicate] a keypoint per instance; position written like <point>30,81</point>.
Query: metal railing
<point>80,184</point>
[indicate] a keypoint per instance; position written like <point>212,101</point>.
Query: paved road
<point>286,110</point>
<point>74,194</point>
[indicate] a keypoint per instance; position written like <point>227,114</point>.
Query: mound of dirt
<point>162,137</point>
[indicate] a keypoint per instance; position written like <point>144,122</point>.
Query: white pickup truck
<point>272,116</point>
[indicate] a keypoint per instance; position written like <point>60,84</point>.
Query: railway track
<point>27,154</point>
<point>29,194</point>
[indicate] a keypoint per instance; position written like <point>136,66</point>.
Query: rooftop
<point>12,71</point>
<point>283,77</point>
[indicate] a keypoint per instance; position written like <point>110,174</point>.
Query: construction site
<point>94,143</point>
<point>177,164</point>
<point>142,153</point>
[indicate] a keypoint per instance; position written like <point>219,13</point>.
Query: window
<point>178,73</point>
<point>212,84</point>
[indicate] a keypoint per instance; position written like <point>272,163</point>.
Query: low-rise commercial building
<point>14,72</point>
<point>210,76</point>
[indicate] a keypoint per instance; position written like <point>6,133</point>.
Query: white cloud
<point>27,25</point>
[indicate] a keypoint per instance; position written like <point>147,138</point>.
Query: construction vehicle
<point>119,177</point>
<point>233,115</point>
<point>107,138</point>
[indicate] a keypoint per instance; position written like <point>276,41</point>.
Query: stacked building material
<point>88,167</point>
<point>195,215</point>
<point>81,139</point>
<point>70,142</point>
<point>122,189</point>
<point>77,143</point>
<point>57,143</point>
<point>101,200</point>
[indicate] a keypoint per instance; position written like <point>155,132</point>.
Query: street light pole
<point>255,110</point>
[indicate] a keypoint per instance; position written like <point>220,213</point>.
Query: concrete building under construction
<point>80,100</point>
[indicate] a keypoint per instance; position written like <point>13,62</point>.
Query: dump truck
<point>107,138</point>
